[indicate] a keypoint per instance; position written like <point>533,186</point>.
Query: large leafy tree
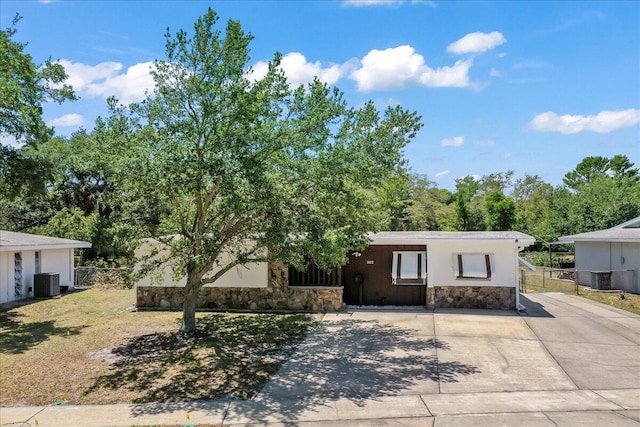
<point>601,192</point>
<point>431,207</point>
<point>253,170</point>
<point>24,87</point>
<point>469,213</point>
<point>501,211</point>
<point>533,197</point>
<point>81,199</point>
<point>591,168</point>
<point>603,203</point>
<point>395,198</point>
<point>84,189</point>
<point>498,181</point>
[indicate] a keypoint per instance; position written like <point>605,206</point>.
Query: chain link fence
<point>115,278</point>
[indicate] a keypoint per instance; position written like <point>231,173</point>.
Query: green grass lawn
<point>91,347</point>
<point>534,283</point>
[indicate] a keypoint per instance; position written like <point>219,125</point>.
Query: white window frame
<point>414,273</point>
<point>480,266</point>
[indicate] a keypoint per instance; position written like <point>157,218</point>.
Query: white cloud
<point>128,87</point>
<point>392,68</point>
<point>495,73</point>
<point>443,173</point>
<point>258,71</point>
<point>501,54</point>
<point>396,68</point>
<point>68,120</point>
<point>476,43</point>
<point>364,3</point>
<point>80,75</point>
<point>505,155</point>
<point>299,71</point>
<point>453,142</point>
<point>107,79</point>
<point>603,122</point>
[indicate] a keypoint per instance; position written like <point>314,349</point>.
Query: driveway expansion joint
<point>426,406</point>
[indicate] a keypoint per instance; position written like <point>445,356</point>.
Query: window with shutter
<point>473,266</point>
<point>409,268</point>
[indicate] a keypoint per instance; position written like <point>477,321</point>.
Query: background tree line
<point>598,193</point>
<point>81,196</point>
<point>79,187</point>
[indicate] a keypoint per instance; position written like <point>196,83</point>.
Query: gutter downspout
<point>610,257</point>
<point>519,307</point>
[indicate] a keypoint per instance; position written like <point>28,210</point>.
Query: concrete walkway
<point>567,362</point>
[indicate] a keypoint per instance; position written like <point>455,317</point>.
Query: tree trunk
<point>189,305</point>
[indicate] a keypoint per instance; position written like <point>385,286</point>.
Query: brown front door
<point>374,267</point>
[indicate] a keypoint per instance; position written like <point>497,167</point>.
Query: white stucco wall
<point>605,256</point>
<point>592,256</point>
<point>251,275</point>
<point>58,261</point>
<point>440,262</point>
<point>51,261</point>
<point>5,270</point>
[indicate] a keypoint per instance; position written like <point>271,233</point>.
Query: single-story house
<point>426,268</point>
<point>608,258</point>
<point>436,268</point>
<point>24,255</point>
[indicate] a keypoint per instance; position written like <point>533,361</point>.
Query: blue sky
<point>532,87</point>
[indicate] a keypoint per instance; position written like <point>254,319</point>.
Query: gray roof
<point>626,232</point>
<point>12,241</point>
<point>423,237</point>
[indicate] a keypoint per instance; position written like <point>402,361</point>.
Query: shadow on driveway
<point>534,309</point>
<point>357,360</point>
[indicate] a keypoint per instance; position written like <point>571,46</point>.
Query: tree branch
<point>176,206</point>
<point>232,264</point>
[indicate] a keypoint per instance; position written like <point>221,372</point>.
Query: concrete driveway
<point>567,361</point>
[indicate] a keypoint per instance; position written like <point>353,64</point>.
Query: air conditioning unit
<point>601,280</point>
<point>46,284</point>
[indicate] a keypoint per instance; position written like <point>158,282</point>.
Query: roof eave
<point>601,240</point>
<point>429,240</point>
<point>13,248</point>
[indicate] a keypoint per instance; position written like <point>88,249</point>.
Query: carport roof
<point>12,241</point>
<point>626,232</point>
<point>424,237</point>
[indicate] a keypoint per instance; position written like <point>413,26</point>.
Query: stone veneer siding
<point>276,296</point>
<point>490,297</point>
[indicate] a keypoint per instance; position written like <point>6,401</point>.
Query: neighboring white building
<point>615,250</point>
<point>22,255</point>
